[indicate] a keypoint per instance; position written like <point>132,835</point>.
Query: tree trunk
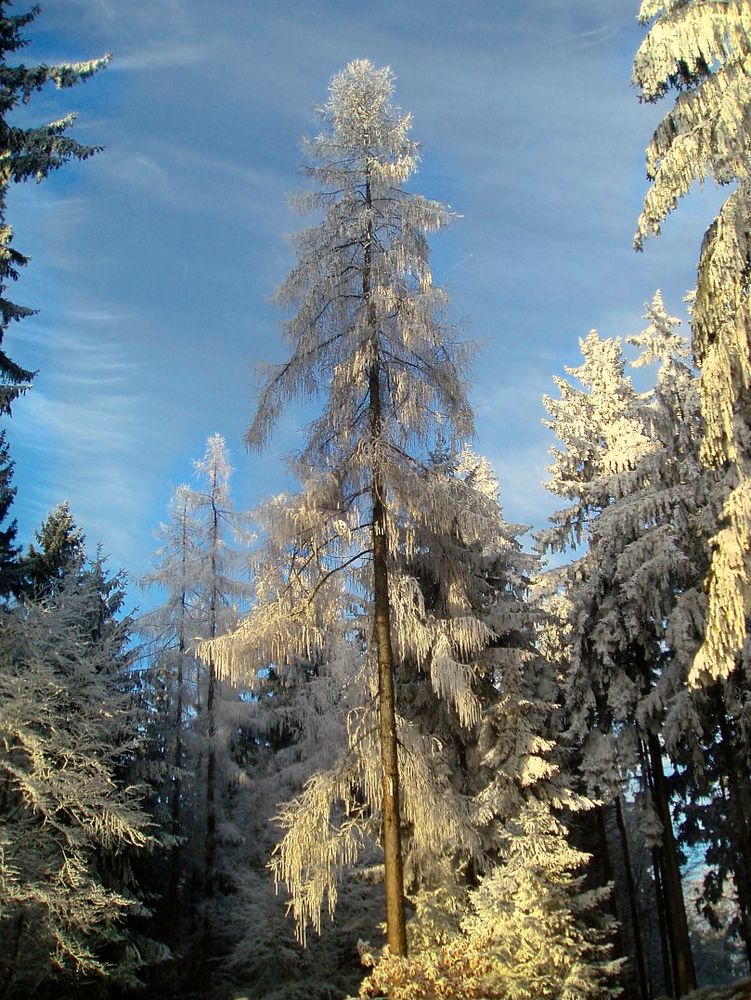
<point>641,970</point>
<point>175,805</point>
<point>208,882</point>
<point>173,891</point>
<point>675,909</point>
<point>595,842</point>
<point>210,787</point>
<point>665,944</point>
<point>396,928</point>
<point>208,879</point>
<point>740,826</point>
<point>209,860</point>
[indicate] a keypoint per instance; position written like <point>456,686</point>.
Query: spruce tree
<point>702,49</point>
<point>9,551</point>
<point>58,552</point>
<point>27,153</point>
<point>643,502</point>
<point>71,820</point>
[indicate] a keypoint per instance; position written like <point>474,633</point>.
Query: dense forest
<point>371,739</point>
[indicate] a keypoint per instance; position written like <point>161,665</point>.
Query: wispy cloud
<point>154,262</point>
<point>78,426</point>
<point>169,57</point>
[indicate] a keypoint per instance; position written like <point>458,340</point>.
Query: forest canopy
<point>370,738</point>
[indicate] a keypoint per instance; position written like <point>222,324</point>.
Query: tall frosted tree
<point>169,684</point>
<point>194,718</point>
<point>645,505</point>
<point>702,50</point>
<point>26,153</point>
<point>367,335</point>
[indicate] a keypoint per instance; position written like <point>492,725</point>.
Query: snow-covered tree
<point>715,805</point>
<point>646,506</point>
<point>367,334</point>
<point>27,152</point>
<point>194,719</point>
<point>495,764</point>
<point>529,932</point>
<point>702,49</point>
<point>168,688</point>
<point>70,819</point>
<point>389,587</point>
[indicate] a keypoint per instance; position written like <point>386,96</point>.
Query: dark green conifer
<point>25,153</point>
<point>9,551</point>
<point>60,553</point>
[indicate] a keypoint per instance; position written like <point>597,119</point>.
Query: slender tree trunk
<point>641,971</point>
<point>668,986</point>
<point>604,875</point>
<point>173,894</point>
<point>209,862</point>
<point>210,785</point>
<point>195,951</point>
<point>662,924</point>
<point>174,907</point>
<point>211,694</point>
<point>396,932</point>
<point>209,857</point>
<point>396,928</point>
<point>683,962</point>
<point>208,883</point>
<point>740,824</point>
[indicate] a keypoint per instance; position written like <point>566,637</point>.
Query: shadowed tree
<point>26,153</point>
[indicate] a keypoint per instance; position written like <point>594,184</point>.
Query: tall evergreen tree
<point>71,821</point>
<point>702,49</point>
<point>168,691</point>
<point>9,551</point>
<point>59,552</point>
<point>646,506</point>
<point>368,335</point>
<point>195,720</point>
<point>27,152</point>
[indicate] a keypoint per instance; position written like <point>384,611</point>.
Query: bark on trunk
<point>208,875</point>
<point>675,909</point>
<point>174,908</point>
<point>665,945</point>
<point>210,787</point>
<point>173,893</point>
<point>208,883</point>
<point>739,810</point>
<point>396,932</point>
<point>641,971</point>
<point>396,929</point>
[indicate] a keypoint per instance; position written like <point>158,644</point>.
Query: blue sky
<point>153,264</point>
